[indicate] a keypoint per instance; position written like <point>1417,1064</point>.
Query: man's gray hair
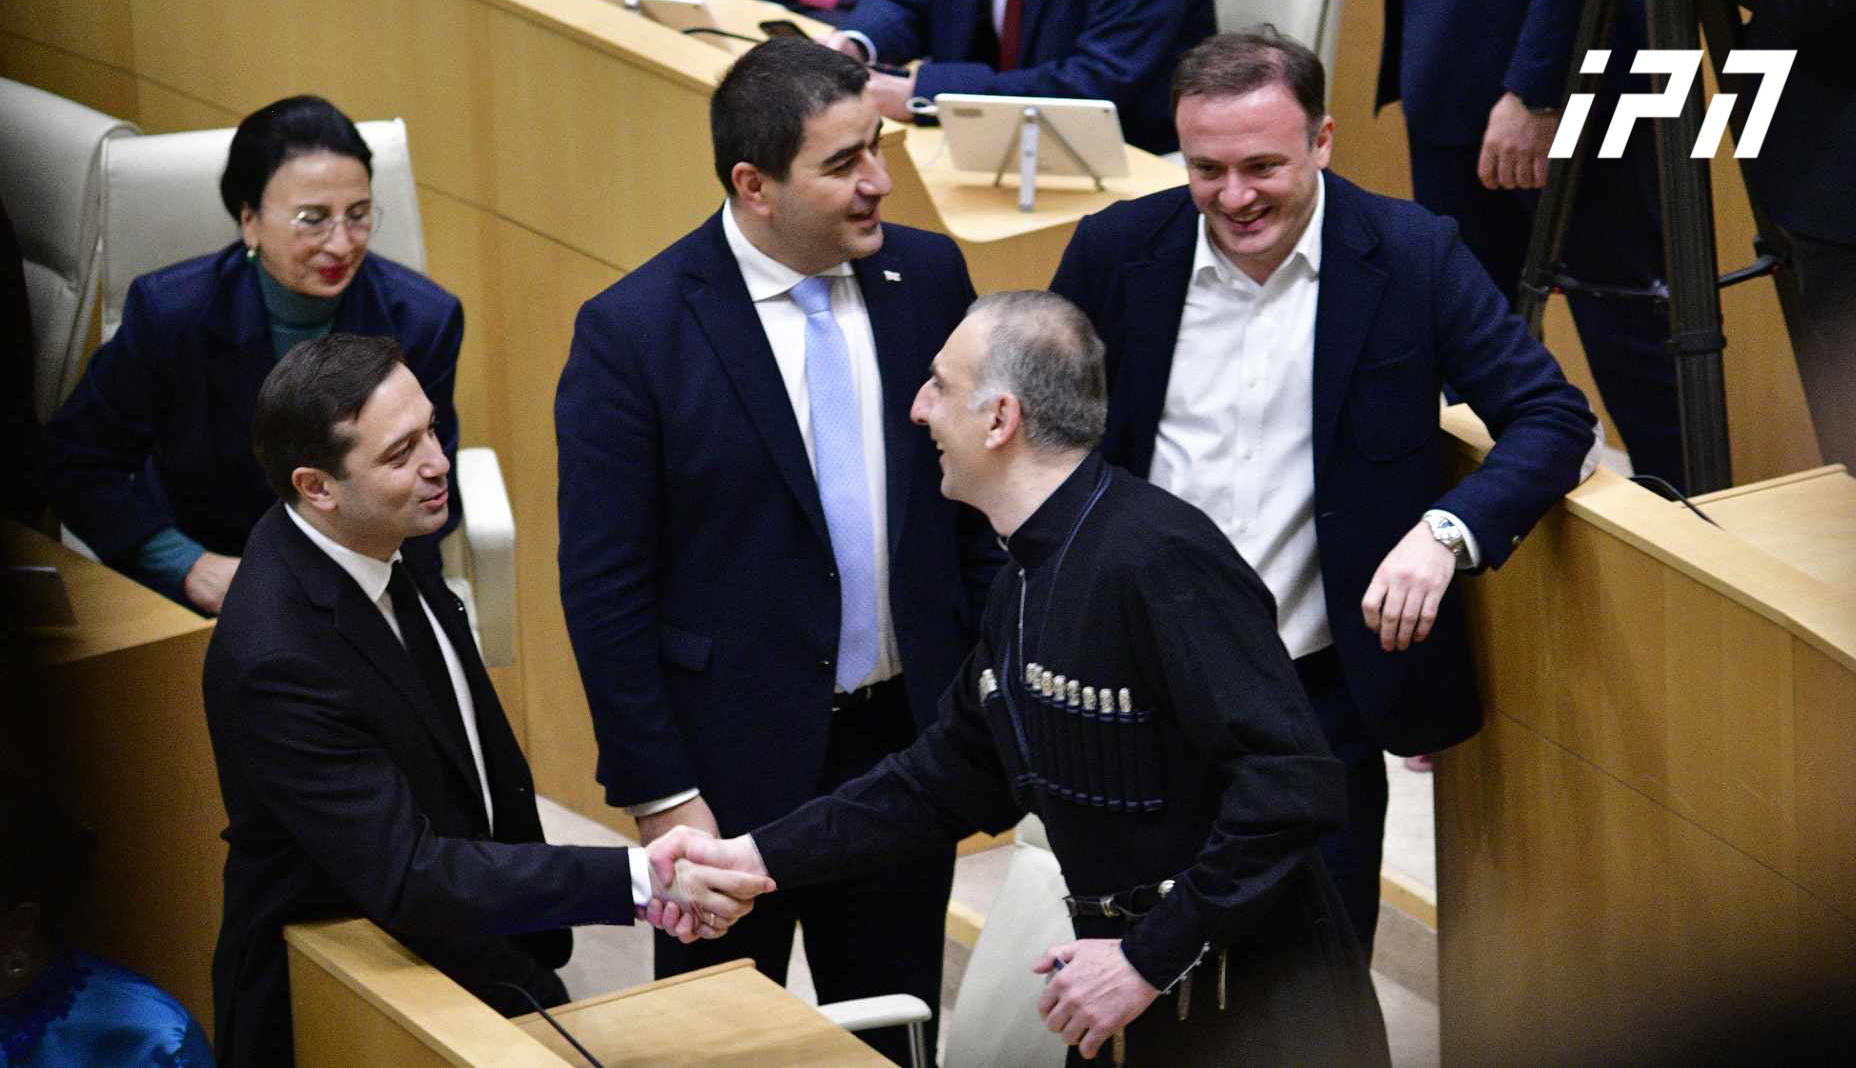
<point>1043,350</point>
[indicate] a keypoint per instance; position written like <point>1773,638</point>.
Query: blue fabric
<point>85,1011</point>
<point>843,483</point>
<point>1404,309</point>
<point>158,431</point>
<point>295,317</point>
<point>1119,50</point>
<point>162,562</point>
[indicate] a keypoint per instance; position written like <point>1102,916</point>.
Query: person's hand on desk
<point>842,42</point>
<point>701,885</point>
<point>207,580</point>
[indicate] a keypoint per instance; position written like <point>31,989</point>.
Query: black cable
<point>1668,492</point>
<point>723,33</point>
<point>552,1022</point>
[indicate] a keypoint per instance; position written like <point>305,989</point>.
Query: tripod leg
<point>1688,251</point>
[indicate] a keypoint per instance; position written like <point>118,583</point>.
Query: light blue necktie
<point>843,484</point>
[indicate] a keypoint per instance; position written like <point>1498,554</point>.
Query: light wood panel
<point>1656,816</point>
<point>115,724</point>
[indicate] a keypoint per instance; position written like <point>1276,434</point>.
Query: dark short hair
<point>1043,350</point>
<point>758,114</point>
<point>277,133</point>
<point>1232,64</point>
<point>318,385</point>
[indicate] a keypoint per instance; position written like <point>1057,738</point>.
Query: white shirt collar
<point>1307,249</point>
<point>368,573</point>
<point>766,277</point>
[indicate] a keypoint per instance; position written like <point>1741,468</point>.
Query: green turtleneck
<point>294,317</point>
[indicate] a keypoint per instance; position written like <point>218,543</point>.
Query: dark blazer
<point>158,432</point>
<point>696,572</point>
<point>1450,60</point>
<point>1120,50</point>
<point>1403,309</point>
<point>1808,164</point>
<point>346,791</point>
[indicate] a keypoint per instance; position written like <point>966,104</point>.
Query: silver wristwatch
<point>1449,534</point>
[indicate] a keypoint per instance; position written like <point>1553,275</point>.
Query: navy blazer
<point>697,576</point>
<point>1450,60</point>
<point>348,790</point>
<point>1403,309</point>
<point>1120,50</point>
<point>158,432</point>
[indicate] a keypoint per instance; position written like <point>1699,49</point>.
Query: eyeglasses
<point>316,225</point>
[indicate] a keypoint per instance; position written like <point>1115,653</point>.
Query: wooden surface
<point>360,997</point>
<point>729,1014</point>
<point>1807,520</point>
<point>357,996</point>
<point>1657,817</point>
<point>113,723</point>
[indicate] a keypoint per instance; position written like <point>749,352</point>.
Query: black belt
<point>888,689</point>
<point>1133,903</point>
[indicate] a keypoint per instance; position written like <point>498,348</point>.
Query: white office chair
<point>161,205</point>
<point>994,1022</point>
<point>1315,23</point>
<point>49,151</point>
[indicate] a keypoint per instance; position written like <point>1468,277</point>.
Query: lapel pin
<point>892,276</point>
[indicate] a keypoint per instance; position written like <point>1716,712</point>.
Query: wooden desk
<point>1659,816</point>
<point>360,997</point>
<point>116,725</point>
<point>726,1015</point>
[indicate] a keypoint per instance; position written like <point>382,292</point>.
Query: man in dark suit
<point>363,756</point>
<point>765,591</point>
<point>1277,338</point>
<point>1121,51</point>
<point>1481,82</point>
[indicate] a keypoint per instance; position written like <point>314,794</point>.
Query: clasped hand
<point>700,884</point>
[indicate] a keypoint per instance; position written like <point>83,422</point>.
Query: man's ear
<point>1008,416</point>
<point>751,187</point>
<point>314,488</point>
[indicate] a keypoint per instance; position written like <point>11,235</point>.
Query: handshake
<point>701,884</point>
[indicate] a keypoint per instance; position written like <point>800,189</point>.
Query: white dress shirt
<point>770,284</point>
<point>1236,437</point>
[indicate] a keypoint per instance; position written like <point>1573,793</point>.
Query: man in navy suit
<point>1277,339</point>
<point>1481,83</point>
<point>1119,50</point>
<point>765,590</point>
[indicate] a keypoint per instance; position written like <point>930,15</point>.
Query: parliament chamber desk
<point>111,719</point>
<point>359,997</point>
<point>1657,824</point>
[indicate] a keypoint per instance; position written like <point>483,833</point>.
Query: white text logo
<point>1772,65</point>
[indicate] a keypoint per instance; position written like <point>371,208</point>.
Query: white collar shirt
<point>1236,436</point>
<point>770,284</point>
<point>372,576</point>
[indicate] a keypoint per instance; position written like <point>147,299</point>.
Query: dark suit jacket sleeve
<point>1120,45</point>
<point>97,442</point>
<point>332,784</point>
<point>1541,423</point>
<point>915,804</point>
<point>611,514</point>
<point>1226,675</point>
<point>1543,53</point>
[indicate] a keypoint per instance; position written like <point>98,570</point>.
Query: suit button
<point>825,663</point>
<point>1514,542</point>
<point>832,575</point>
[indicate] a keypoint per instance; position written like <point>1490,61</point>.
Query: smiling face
<point>394,482</point>
<point>826,210</point>
<point>323,185</point>
<point>1253,171</point>
<point>945,406</point>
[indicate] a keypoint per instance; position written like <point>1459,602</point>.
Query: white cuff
<point>652,808</point>
<point>641,876</point>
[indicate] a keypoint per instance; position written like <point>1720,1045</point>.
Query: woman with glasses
<point>150,461</point>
